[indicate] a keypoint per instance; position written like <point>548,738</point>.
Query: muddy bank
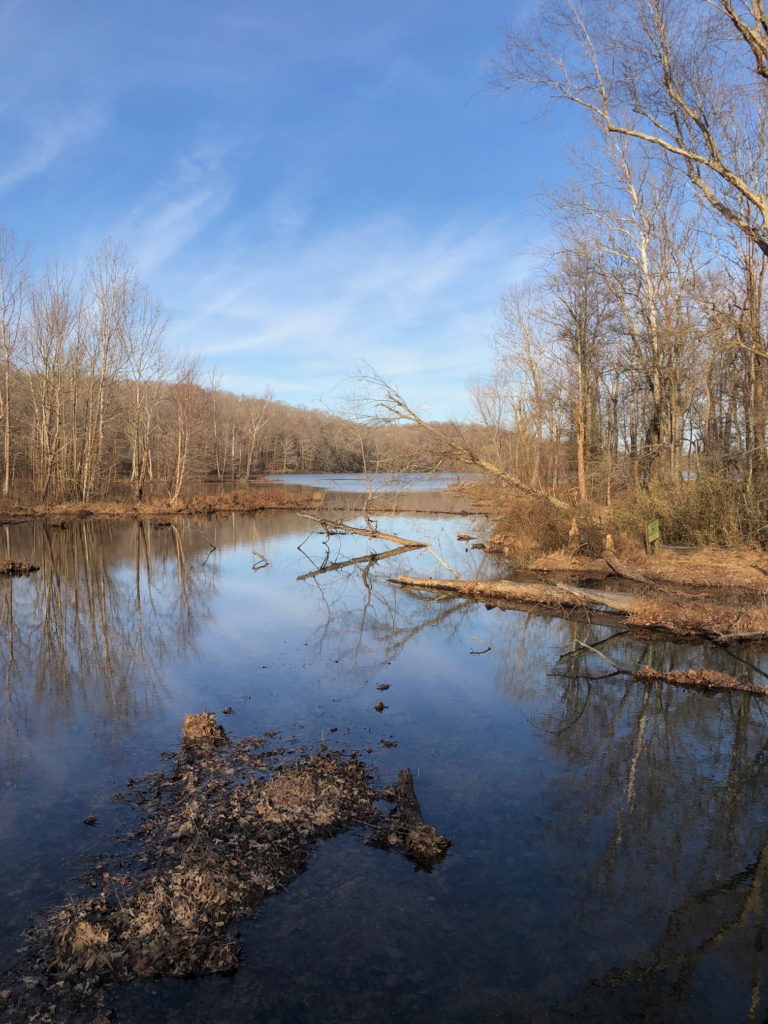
<point>224,826</point>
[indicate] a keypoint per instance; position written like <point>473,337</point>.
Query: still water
<point>610,840</point>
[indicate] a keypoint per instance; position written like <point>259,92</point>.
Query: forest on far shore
<point>93,406</point>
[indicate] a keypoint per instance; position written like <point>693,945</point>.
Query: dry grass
<point>741,569</point>
<point>567,561</point>
<point>744,569</point>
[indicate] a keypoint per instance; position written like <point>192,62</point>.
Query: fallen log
<point>621,569</point>
<point>529,593</point>
<point>332,526</point>
<point>719,623</point>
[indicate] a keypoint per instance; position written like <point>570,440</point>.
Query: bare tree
<point>686,78</point>
<point>13,296</point>
<point>447,441</point>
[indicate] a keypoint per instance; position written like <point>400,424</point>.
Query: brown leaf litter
<point>225,826</point>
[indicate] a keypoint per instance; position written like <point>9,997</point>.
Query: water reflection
<point>88,634</point>
<point>610,837</point>
<point>666,787</point>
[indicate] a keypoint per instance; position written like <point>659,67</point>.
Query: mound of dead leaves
<point>226,825</point>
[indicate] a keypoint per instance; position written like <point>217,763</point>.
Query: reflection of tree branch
<point>374,556</point>
<point>752,907</point>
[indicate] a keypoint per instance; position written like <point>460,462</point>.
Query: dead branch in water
<point>260,561</point>
<point>406,831</point>
<point>690,679</point>
<point>332,526</point>
<point>698,679</point>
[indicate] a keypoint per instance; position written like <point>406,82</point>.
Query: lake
<point>610,839</point>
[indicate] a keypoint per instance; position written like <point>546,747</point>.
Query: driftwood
<point>668,616</point>
<point>332,526</point>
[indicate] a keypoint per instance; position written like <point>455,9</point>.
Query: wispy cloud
<point>47,143</point>
<point>413,302</point>
<point>177,209</point>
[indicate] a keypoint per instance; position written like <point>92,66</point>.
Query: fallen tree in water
<point>679,614</point>
<point>226,826</point>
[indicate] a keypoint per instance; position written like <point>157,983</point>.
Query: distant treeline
<point>92,405</point>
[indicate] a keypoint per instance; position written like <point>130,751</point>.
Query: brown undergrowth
<point>688,616</point>
<point>740,569</point>
<point>225,826</point>
<point>251,500</point>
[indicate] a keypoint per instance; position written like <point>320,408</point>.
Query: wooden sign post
<point>652,537</point>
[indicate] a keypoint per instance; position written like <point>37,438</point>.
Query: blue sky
<point>305,185</point>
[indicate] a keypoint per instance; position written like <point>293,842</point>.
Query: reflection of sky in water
<point>609,839</point>
<point>360,483</point>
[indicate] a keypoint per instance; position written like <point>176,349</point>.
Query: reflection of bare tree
<point>88,634</point>
<point>365,616</point>
<point>667,788</point>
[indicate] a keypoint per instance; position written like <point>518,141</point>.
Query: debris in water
<point>89,819</point>
<point>380,706</point>
<point>203,728</point>
<point>383,686</point>
<point>406,830</point>
<point>225,825</point>
<point>9,567</point>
